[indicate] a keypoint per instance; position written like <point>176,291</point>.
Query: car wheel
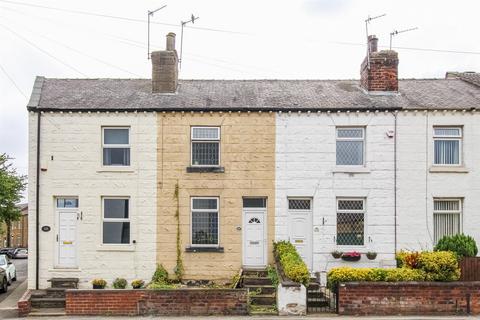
<point>14,276</point>
<point>4,286</point>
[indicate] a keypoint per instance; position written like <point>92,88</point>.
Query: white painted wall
<point>418,186</point>
<point>74,142</point>
<point>291,301</point>
<point>306,167</point>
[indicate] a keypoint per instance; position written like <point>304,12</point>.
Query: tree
<point>11,187</point>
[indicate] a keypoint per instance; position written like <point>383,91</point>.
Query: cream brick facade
<point>71,162</point>
<point>248,156</point>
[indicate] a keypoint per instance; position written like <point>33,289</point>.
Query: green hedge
<point>413,266</point>
<point>292,264</point>
<point>461,244</point>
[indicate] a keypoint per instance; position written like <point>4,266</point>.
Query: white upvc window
<point>205,222</point>
<point>447,218</point>
<point>116,220</point>
<point>350,221</point>
<point>350,148</point>
<point>447,146</point>
<point>116,146</point>
<point>205,146</point>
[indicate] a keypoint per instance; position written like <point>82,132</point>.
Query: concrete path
<point>321,317</point>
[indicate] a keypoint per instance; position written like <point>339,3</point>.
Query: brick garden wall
<point>409,298</point>
<point>182,302</point>
<point>24,305</point>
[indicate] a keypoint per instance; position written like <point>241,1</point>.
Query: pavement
<point>321,317</point>
<point>8,301</point>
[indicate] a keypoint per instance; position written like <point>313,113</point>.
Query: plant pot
<point>97,286</point>
<point>136,288</point>
<point>336,255</point>
<point>351,258</point>
<point>371,256</point>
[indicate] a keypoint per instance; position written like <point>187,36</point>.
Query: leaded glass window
<point>350,148</point>
<point>350,222</point>
<point>205,222</point>
<point>205,146</point>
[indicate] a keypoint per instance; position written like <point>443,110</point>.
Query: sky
<point>247,39</point>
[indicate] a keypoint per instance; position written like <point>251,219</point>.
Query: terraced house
<point>205,174</point>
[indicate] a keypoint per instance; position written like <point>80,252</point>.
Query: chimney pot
<point>372,43</point>
<point>170,41</point>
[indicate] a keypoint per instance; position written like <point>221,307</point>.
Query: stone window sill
<point>350,169</point>
<point>115,169</point>
<point>59,269</point>
<point>448,169</point>
<point>114,248</point>
<point>204,249</point>
<point>193,169</point>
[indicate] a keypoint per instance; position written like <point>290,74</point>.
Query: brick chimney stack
<point>165,68</point>
<point>382,76</point>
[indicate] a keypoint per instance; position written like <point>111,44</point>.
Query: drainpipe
<point>395,115</point>
<point>37,206</point>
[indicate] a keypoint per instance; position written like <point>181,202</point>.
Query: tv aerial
<point>396,32</point>
<point>149,15</point>
<point>183,23</point>
<point>367,21</point>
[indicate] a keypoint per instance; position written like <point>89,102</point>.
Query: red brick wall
<point>383,72</point>
<point>157,302</point>
<point>24,305</point>
<point>409,298</point>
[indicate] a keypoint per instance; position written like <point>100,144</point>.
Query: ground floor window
<point>205,217</point>
<point>447,217</point>
<point>116,221</point>
<point>350,222</point>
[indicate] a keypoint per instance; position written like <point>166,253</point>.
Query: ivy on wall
<point>179,266</point>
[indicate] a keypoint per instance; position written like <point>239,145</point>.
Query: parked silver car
<point>3,281</point>
<point>10,270</point>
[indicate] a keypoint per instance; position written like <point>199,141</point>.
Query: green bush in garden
<point>404,274</point>
<point>461,244</point>
<point>120,283</point>
<point>160,275</point>
<point>439,266</point>
<point>292,264</point>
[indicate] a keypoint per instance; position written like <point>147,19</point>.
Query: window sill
<point>61,269</point>
<point>204,249</point>
<point>116,248</point>
<point>350,169</point>
<point>193,169</point>
<point>446,169</point>
<point>115,169</point>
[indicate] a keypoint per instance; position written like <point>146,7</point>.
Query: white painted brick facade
<point>305,167</point>
<point>74,142</point>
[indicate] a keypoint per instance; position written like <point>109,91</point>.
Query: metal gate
<point>320,299</point>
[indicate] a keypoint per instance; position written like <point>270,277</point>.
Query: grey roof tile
<point>135,94</point>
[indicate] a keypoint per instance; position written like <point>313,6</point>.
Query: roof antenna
<point>183,23</point>
<point>395,32</point>
<point>150,14</point>
<point>367,21</point>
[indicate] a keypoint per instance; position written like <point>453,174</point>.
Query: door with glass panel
<point>255,232</point>
<point>300,227</point>
<point>66,237</point>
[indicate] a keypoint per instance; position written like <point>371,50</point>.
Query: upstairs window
<point>350,222</point>
<point>447,142</point>
<point>205,146</point>
<point>116,146</point>
<point>447,217</point>
<point>350,146</point>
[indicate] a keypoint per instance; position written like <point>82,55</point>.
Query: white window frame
<point>117,146</point>
<point>363,139</point>
<point>204,210</point>
<point>363,211</point>
<point>205,140</point>
<point>459,212</point>
<point>449,137</point>
<point>129,219</point>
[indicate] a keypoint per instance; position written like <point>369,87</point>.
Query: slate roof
<point>135,94</point>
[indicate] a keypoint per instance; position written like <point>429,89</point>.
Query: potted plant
<point>337,254</point>
<point>120,283</point>
<point>371,255</point>
<point>99,283</point>
<point>351,256</point>
<point>138,284</point>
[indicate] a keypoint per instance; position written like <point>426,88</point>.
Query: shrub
<point>120,283</point>
<point>99,282</point>
<point>160,275</point>
<point>160,285</point>
<point>407,259</point>
<point>292,264</point>
<point>462,245</point>
<point>346,274</point>
<point>404,274</point>
<point>439,266</point>
<point>137,284</point>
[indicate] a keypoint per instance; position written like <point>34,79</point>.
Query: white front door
<point>300,227</point>
<point>254,238</point>
<point>67,234</point>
